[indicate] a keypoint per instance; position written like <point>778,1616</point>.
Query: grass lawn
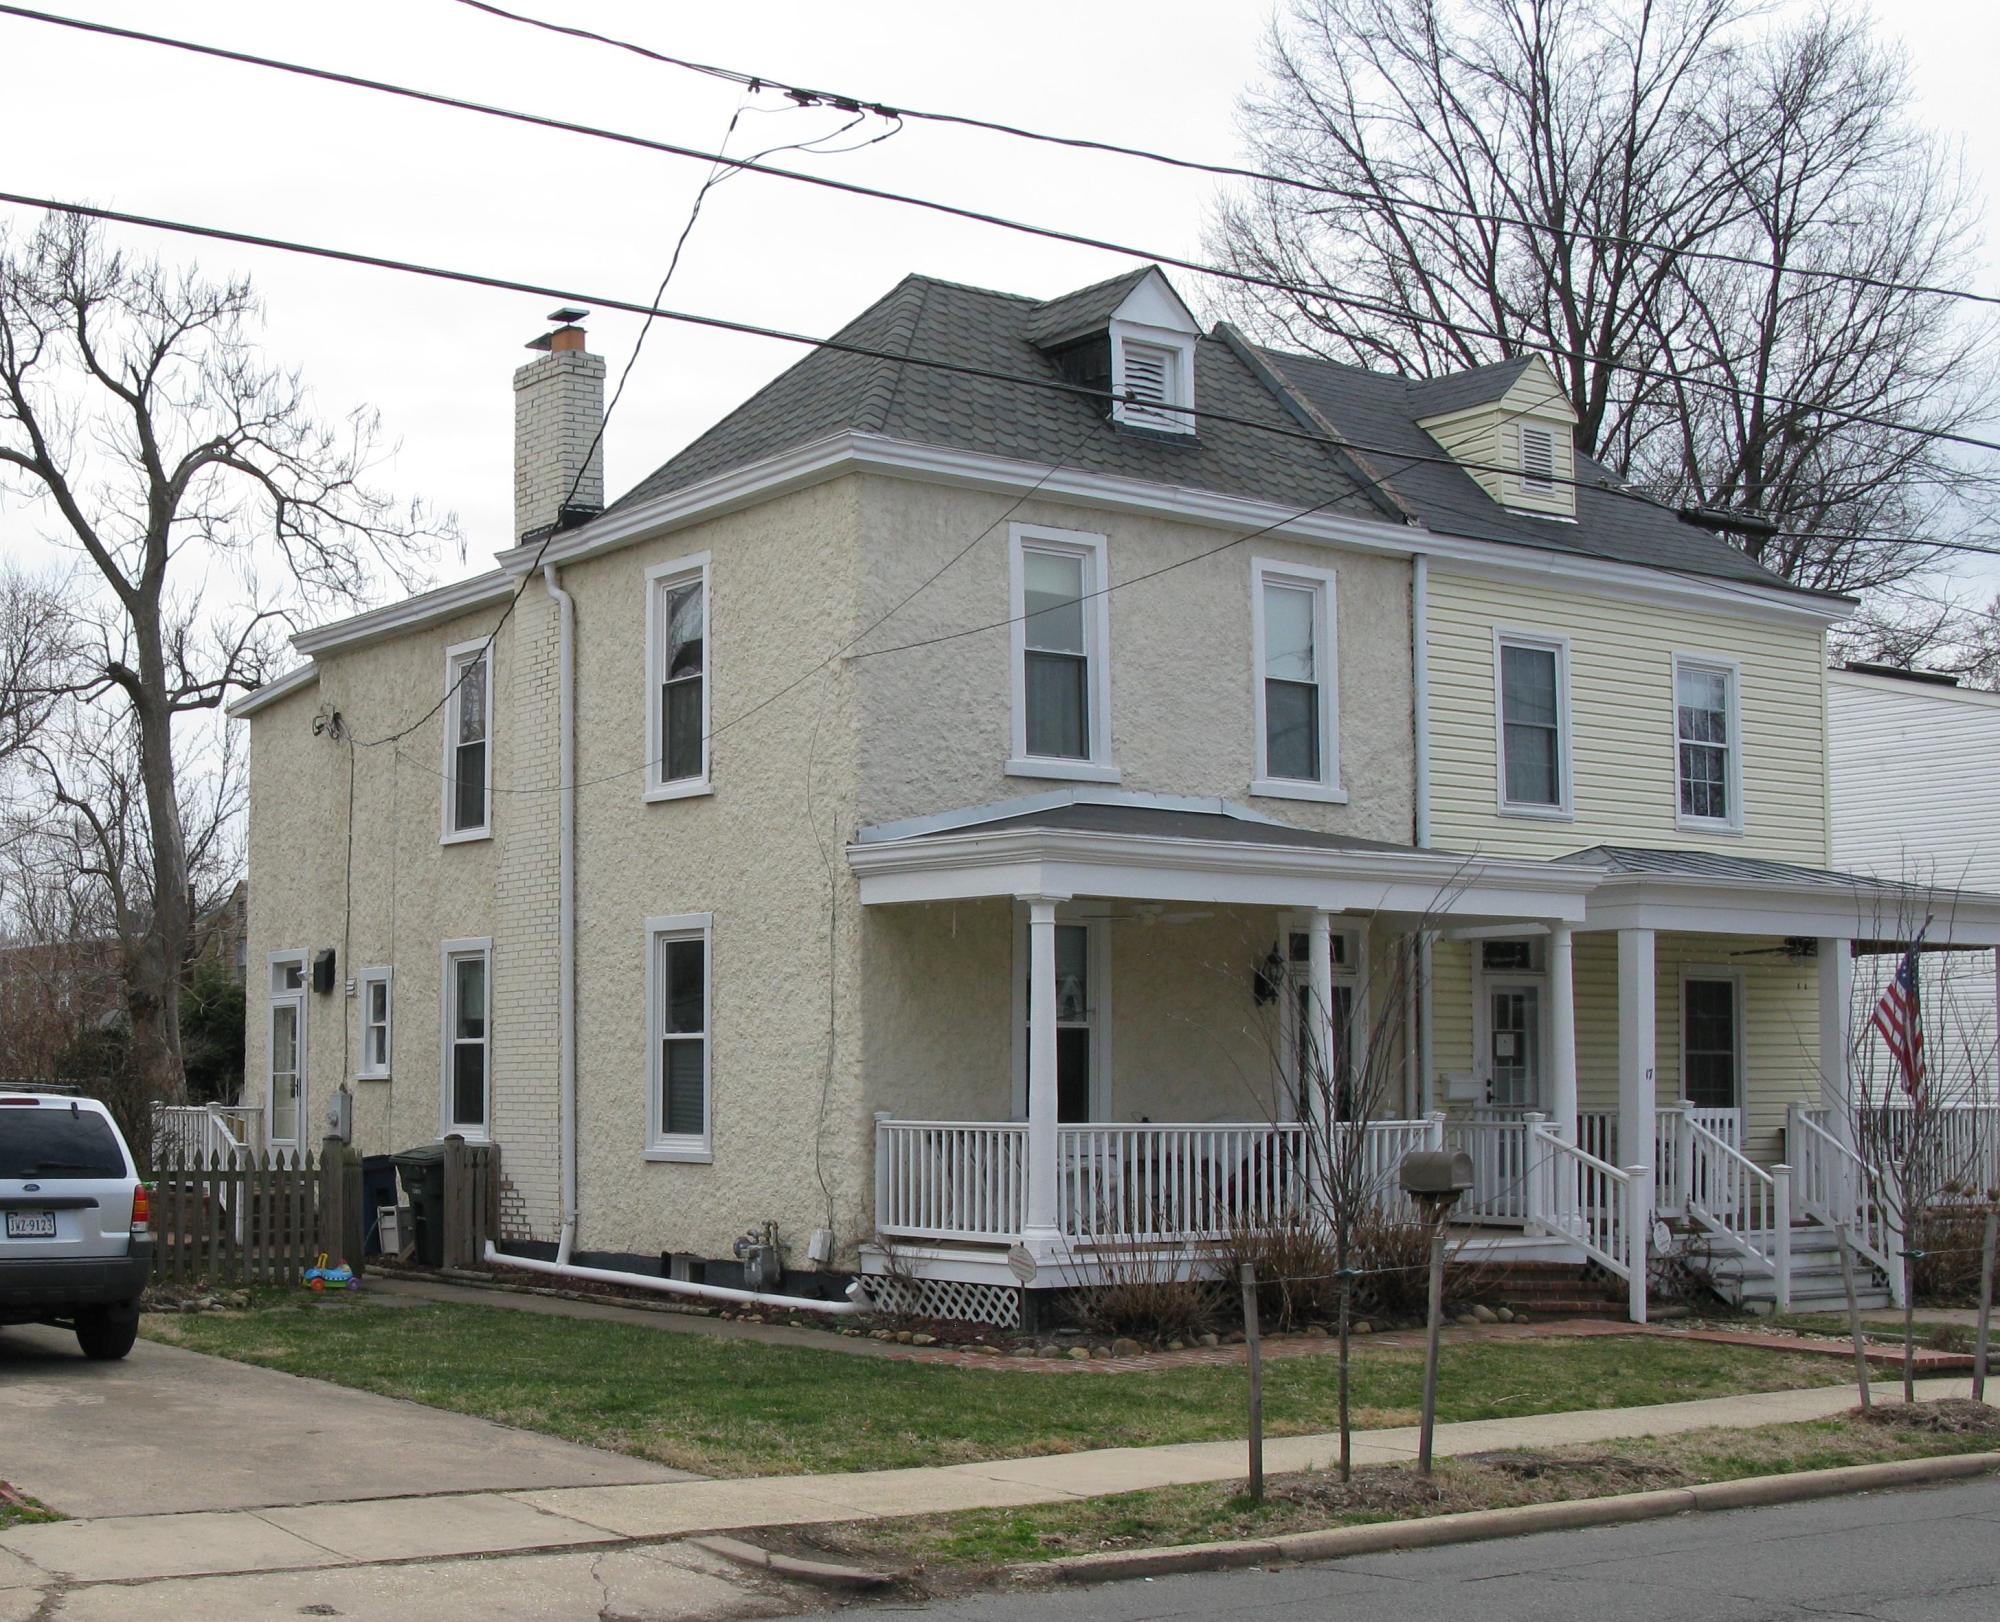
<point>1217,1512</point>
<point>741,1408</point>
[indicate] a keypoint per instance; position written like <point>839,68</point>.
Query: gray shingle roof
<point>1378,411</point>
<point>829,392</point>
<point>1435,396</point>
<point>1161,823</point>
<point>1077,315</point>
<point>1636,862</point>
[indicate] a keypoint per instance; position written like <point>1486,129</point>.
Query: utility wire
<point>1226,171</point>
<point>836,345</point>
<point>1345,297</point>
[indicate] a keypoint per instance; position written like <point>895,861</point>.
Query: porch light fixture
<point>1269,976</point>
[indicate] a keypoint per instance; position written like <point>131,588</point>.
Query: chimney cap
<point>568,315</point>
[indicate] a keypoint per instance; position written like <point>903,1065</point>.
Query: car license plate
<point>31,1224</point>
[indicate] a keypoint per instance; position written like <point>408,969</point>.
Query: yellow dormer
<point>1512,428</point>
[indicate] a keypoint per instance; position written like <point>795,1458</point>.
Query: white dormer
<point>1152,358</point>
<point>1512,428</point>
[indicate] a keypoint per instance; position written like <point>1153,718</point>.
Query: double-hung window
<point>373,987</point>
<point>677,678</point>
<point>1296,682</point>
<point>677,978</point>
<point>1061,632</point>
<point>1707,750</point>
<point>1531,674</point>
<point>468,967</point>
<point>468,750</point>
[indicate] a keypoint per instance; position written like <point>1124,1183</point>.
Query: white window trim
<point>697,1149</point>
<point>1099,768</point>
<point>386,978</point>
<point>1326,637</point>
<point>452,655</point>
<point>659,579</point>
<point>300,999</point>
<point>1099,926</point>
<point>481,947</point>
<point>1565,809</point>
<point>1178,344</point>
<point>1736,977</point>
<point>1733,669</point>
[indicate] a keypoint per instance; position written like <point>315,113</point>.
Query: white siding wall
<point>1916,797</point>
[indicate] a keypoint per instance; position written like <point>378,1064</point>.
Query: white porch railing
<point>1832,1184</point>
<point>1497,1143</point>
<point>951,1179</point>
<point>211,1136</point>
<point>1587,1199</point>
<point>1746,1207</point>
<point>1144,1183</point>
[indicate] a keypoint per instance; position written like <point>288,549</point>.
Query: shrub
<point>1153,1296</point>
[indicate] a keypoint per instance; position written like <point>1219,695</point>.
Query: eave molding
<point>392,619</point>
<point>282,687</point>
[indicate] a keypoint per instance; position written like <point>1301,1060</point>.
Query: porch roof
<point>1217,854</point>
<point>1709,893</point>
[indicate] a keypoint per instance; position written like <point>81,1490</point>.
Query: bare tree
<point>35,628</point>
<point>138,418</point>
<point>1702,223</point>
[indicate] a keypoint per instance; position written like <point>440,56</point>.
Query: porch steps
<point>1816,1282</point>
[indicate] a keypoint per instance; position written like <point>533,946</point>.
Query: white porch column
<point>1562,1032</point>
<point>1836,1071</point>
<point>1040,1232</point>
<point>1637,1097</point>
<point>1319,985</point>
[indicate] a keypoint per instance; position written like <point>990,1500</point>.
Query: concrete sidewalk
<point>123,1549</point>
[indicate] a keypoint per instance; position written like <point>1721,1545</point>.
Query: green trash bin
<point>422,1172</point>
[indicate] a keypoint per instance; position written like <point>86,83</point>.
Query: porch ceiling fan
<point>1158,912</point>
<point>1796,947</point>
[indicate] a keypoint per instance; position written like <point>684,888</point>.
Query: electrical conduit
<point>857,1300</point>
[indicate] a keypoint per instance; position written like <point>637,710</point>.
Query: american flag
<point>1896,1017</point>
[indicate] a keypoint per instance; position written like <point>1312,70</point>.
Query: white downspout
<point>857,1297</point>
<point>566,909</point>
<point>1424,1047</point>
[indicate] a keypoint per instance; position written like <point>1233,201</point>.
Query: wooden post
<point>454,1195</point>
<point>1256,1350</point>
<point>1434,1320</point>
<point>332,1218</point>
<point>1979,1345</point>
<point>1854,1316</point>
<point>354,1229</point>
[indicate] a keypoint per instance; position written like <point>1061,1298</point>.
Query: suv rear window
<point>57,1145</point>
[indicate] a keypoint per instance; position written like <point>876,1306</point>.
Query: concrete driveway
<point>168,1430</point>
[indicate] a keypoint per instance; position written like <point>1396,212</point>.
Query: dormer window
<point>1538,459</point>
<point>1152,374</point>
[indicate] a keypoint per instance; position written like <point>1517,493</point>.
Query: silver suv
<point>75,1234</point>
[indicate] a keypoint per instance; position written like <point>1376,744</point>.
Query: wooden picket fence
<point>471,1201</point>
<point>255,1218</point>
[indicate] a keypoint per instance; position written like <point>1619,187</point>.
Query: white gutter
<point>678,1286</point>
<point>566,910</point>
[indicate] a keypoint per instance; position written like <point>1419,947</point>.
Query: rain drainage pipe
<point>566,909</point>
<point>857,1300</point>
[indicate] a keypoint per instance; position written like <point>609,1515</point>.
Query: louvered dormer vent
<point>1538,459</point>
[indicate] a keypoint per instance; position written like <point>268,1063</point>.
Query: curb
<point>820,1573</point>
<point>1479,1525</point>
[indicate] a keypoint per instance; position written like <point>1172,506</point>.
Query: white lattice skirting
<point>949,1299</point>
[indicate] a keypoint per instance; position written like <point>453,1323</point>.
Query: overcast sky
<point>136,127</point>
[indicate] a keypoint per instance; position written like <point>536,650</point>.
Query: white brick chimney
<point>558,410</point>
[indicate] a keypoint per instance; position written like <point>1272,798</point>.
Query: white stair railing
<point>1742,1204</point>
<point>1606,1210</point>
<point>1836,1186</point>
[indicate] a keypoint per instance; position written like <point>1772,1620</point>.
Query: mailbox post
<point>1434,1178</point>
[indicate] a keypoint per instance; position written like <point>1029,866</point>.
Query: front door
<point>1514,1044</point>
<point>285,1086</point>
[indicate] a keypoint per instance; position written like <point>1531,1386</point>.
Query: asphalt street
<point>1916,1555</point>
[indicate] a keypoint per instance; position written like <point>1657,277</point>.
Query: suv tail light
<point>142,1210</point>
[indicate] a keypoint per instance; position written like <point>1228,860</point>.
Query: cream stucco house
<point>942,812</point>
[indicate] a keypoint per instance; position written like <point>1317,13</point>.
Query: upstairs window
<point>1538,459</point>
<point>1707,762</point>
<point>1061,683</point>
<point>468,754</point>
<point>677,715</point>
<point>1152,375</point>
<point>1293,645</point>
<point>1533,678</point>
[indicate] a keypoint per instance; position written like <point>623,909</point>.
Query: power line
<point>1327,291</point>
<point>1227,171</point>
<point>836,345</point>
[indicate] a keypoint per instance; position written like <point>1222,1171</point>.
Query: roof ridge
<point>898,370</point>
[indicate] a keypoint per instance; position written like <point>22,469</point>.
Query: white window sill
<point>1073,771</point>
<point>465,836</point>
<point>1539,813</point>
<point>690,1155</point>
<point>371,1075</point>
<point>693,789</point>
<point>476,1136</point>
<point>1279,788</point>
<point>1701,825</point>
